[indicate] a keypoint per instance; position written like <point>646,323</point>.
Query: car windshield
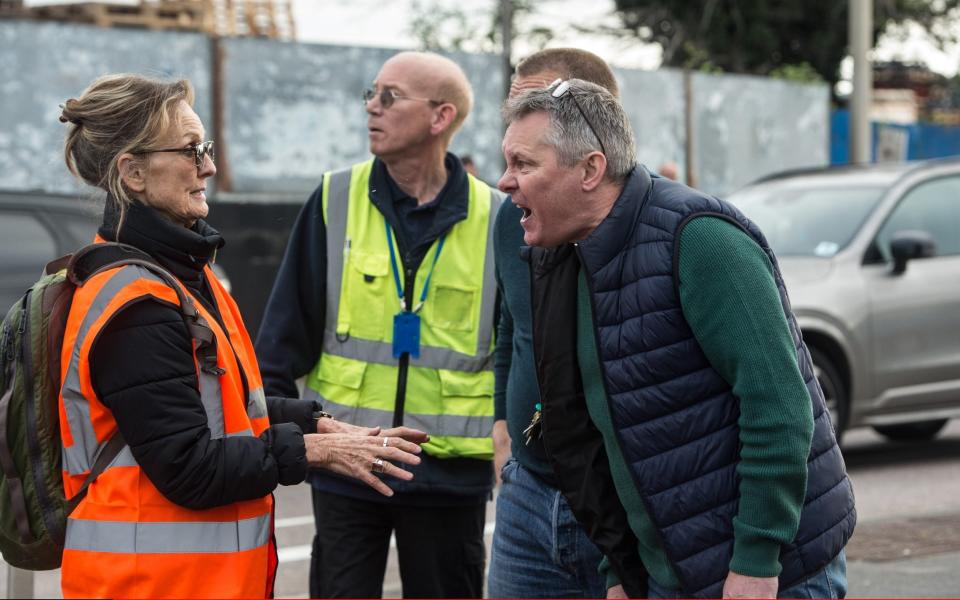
<point>807,221</point>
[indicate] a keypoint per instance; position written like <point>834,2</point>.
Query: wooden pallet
<point>11,8</point>
<point>246,18</point>
<point>255,18</point>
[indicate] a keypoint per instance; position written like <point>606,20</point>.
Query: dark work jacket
<point>143,370</point>
<point>674,416</point>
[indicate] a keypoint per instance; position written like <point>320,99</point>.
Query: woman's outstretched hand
<point>333,426</point>
<point>359,452</point>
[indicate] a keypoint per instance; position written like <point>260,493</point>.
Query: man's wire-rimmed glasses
<point>388,96</point>
<point>197,152</point>
<point>562,88</point>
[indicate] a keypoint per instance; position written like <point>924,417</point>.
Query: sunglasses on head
<point>388,96</point>
<point>560,88</point>
<point>197,151</point>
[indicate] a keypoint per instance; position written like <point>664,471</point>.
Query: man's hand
<point>501,446</point>
<point>616,592</point>
<point>743,586</point>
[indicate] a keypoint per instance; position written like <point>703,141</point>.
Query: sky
<point>385,23</point>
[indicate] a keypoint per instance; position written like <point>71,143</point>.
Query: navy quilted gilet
<point>674,415</point>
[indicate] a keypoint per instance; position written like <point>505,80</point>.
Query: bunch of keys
<point>535,426</point>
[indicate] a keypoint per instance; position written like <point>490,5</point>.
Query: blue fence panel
<point>839,137</point>
<point>933,141</point>
<point>925,140</point>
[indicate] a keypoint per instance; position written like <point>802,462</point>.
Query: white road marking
<point>293,522</point>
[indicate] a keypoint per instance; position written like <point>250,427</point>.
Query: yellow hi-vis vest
<point>449,388</point>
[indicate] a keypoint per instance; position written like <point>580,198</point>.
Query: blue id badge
<point>406,334</point>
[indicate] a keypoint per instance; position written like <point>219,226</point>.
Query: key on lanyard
<point>535,427</point>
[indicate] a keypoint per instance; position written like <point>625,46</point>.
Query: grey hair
<point>571,135</point>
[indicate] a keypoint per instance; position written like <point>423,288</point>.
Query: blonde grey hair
<point>118,114</point>
<point>571,135</point>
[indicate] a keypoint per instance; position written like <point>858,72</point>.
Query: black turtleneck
<point>143,370</point>
<point>184,252</point>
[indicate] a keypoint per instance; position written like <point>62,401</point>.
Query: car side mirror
<point>909,245</point>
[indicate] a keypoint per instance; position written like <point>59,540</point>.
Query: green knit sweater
<point>730,299</point>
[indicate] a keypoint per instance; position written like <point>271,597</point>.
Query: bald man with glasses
<point>385,302</point>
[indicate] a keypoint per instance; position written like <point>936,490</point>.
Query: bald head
<point>438,78</point>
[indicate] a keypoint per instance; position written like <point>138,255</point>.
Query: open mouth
<point>526,213</point>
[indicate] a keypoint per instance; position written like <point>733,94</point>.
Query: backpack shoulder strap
<point>94,258</point>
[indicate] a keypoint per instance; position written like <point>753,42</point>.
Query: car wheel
<point>834,392</point>
<point>920,431</point>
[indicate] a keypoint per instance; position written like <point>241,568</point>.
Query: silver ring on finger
<point>377,466</point>
<point>386,442</point>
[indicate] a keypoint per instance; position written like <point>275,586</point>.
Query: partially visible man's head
<point>538,70</point>
<point>563,144</point>
<point>469,165</point>
<point>669,169</point>
<point>427,99</point>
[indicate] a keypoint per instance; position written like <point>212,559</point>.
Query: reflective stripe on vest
<point>382,353</point>
<point>448,425</point>
<point>186,537</point>
<point>257,404</point>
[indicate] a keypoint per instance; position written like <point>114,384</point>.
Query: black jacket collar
<point>184,252</point>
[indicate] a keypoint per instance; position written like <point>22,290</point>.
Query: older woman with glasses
<point>185,507</point>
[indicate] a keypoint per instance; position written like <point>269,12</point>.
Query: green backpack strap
<point>14,484</point>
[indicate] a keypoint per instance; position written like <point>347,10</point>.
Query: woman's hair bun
<point>66,115</point>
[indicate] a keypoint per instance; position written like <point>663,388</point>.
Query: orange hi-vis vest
<point>125,539</point>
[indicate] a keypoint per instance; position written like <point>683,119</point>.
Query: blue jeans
<point>829,582</point>
<point>539,550</point>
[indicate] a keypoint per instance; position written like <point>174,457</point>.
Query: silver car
<point>871,259</point>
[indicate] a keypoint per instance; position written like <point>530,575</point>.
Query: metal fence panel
<point>294,111</point>
<point>746,127</point>
<point>43,64</point>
